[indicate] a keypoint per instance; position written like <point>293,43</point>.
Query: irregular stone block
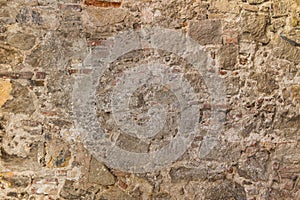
<point>92,16</point>
<point>5,89</point>
<point>69,191</point>
<point>99,174</point>
<point>21,41</point>
<point>255,167</point>
<point>188,174</point>
<point>226,190</point>
<point>254,26</point>
<point>21,102</point>
<point>10,56</point>
<point>115,193</point>
<point>228,57</point>
<point>285,50</point>
<point>206,31</point>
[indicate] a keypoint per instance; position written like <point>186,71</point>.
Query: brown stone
<point>99,174</point>
<point>108,16</point>
<point>228,57</point>
<point>226,190</point>
<point>21,41</point>
<point>265,82</point>
<point>295,92</point>
<point>21,102</point>
<point>255,167</point>
<point>224,6</point>
<point>115,193</point>
<point>10,56</point>
<point>254,26</point>
<point>188,174</point>
<point>256,1</point>
<point>206,31</point>
<point>98,3</point>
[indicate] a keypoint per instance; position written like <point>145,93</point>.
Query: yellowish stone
<point>5,89</point>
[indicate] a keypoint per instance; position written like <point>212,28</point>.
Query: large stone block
<point>206,31</point>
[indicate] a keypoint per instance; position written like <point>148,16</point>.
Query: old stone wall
<point>245,147</point>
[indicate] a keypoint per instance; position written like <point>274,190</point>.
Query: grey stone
<point>285,50</point>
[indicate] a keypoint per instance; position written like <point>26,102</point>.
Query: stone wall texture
<point>253,47</point>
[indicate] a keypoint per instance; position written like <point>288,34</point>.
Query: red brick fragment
<point>17,75</point>
<point>94,42</point>
<point>40,75</point>
<point>102,3</point>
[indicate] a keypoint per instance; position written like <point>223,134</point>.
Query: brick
<point>17,75</point>
<point>40,75</point>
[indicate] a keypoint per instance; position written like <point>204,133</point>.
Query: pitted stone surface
<point>51,53</point>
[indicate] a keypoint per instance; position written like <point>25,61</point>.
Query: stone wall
<point>253,47</point>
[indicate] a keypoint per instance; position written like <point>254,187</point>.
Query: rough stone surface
<point>5,89</point>
<point>226,190</point>
<point>253,51</point>
<point>21,41</point>
<point>206,31</point>
<point>99,174</point>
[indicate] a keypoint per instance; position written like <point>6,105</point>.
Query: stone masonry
<point>253,46</point>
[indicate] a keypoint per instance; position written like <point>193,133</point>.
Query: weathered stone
<point>21,41</point>
<point>69,191</point>
<point>206,31</point>
<point>265,82</point>
<point>9,56</point>
<point>281,8</point>
<point>161,196</point>
<point>228,57</point>
<point>256,1</point>
<point>254,26</point>
<point>97,3</point>
<point>99,174</point>
<point>18,163</point>
<point>224,6</point>
<point>22,101</point>
<point>226,190</point>
<point>92,16</point>
<point>180,174</point>
<point>255,167</point>
<point>115,193</point>
<point>233,85</point>
<point>132,144</point>
<point>15,181</point>
<point>5,89</point>
<point>285,50</point>
<point>295,92</point>
<point>57,153</point>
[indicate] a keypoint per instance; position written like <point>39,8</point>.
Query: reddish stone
<point>102,3</point>
<point>40,75</point>
<point>94,42</point>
